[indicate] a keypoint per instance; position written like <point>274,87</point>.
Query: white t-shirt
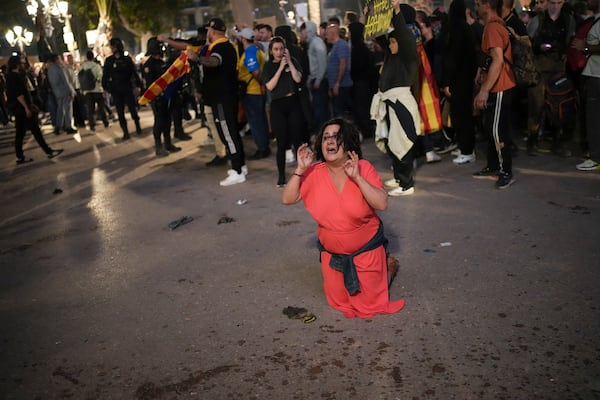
<point>592,67</point>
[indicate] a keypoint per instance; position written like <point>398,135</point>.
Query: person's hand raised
<point>304,157</point>
<point>351,166</point>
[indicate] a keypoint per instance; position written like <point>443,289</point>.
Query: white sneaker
<point>232,178</point>
<point>289,157</point>
<point>464,159</point>
<point>244,170</point>
<point>455,152</point>
<point>391,183</point>
<point>400,191</point>
<point>432,157</point>
<point>588,165</point>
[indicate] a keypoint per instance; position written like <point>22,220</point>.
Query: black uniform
<point>153,69</point>
<point>119,78</point>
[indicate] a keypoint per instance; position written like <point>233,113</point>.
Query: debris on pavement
<point>241,202</point>
<point>181,221</point>
<point>299,313</point>
<point>57,191</point>
<point>225,220</point>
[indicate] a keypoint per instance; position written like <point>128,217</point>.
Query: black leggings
<point>287,123</point>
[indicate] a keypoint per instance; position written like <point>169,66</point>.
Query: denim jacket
<point>345,262</point>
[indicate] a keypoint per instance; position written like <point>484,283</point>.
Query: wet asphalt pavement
<point>99,299</point>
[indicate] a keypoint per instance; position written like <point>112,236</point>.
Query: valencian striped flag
<point>180,67</point>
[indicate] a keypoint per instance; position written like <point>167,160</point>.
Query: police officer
<point>119,77</point>
<point>176,96</point>
<point>154,67</point>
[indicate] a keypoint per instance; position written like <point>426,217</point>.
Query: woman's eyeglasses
<point>332,136</point>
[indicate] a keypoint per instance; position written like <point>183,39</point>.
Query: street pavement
<point>99,299</point>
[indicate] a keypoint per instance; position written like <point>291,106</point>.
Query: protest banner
<point>378,19</point>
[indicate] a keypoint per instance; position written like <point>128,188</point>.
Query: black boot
<point>182,136</point>
<point>138,128</point>
<point>125,133</point>
<point>169,146</point>
<point>160,151</point>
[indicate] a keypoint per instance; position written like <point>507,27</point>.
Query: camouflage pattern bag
<point>523,65</point>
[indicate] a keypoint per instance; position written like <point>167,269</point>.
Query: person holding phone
<point>282,74</point>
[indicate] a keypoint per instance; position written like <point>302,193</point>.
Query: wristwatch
<point>586,51</point>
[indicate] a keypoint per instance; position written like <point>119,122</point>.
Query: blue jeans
<point>254,104</point>
<point>52,106</point>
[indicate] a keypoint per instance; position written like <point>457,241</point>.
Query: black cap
<point>217,24</point>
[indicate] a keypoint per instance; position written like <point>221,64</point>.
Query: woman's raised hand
<point>351,165</point>
<point>304,157</point>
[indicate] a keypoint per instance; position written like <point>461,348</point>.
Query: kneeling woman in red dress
<point>342,192</point>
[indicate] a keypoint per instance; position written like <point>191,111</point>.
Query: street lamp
<point>44,10</point>
<point>19,36</point>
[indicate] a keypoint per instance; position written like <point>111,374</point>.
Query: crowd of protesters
<point>432,85</point>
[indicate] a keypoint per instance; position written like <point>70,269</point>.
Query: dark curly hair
<point>347,136</point>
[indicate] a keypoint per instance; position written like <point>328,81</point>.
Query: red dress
<point>346,223</point>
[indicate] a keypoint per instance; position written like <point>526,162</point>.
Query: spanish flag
<point>429,99</point>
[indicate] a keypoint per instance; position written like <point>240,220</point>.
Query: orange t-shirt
<point>495,34</point>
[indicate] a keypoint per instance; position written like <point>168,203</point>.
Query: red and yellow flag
<point>180,67</point>
<point>429,99</point>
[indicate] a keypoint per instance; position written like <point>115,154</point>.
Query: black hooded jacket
<point>402,69</point>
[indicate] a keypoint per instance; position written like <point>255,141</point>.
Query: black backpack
<point>87,80</point>
<point>560,98</point>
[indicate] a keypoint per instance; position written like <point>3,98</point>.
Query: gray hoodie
<point>317,53</point>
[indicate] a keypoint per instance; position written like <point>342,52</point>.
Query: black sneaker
<point>217,161</point>
<point>55,153</point>
<point>504,180</point>
<point>260,154</point>
<point>183,136</point>
<point>173,149</point>
<point>23,160</point>
<point>486,173</point>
